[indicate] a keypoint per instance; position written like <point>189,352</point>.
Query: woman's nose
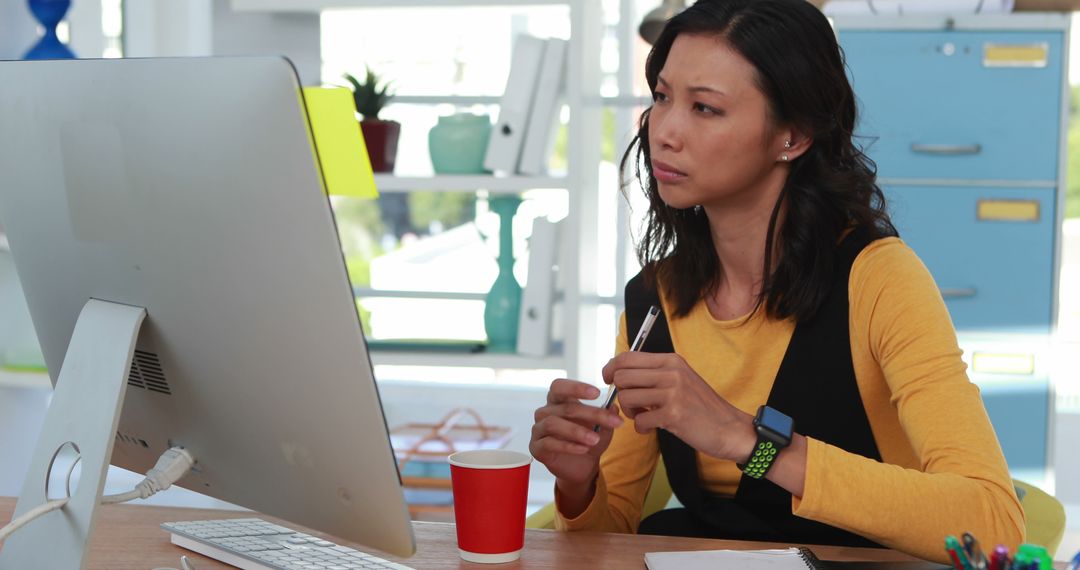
<point>664,130</point>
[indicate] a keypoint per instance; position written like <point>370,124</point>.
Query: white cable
<point>30,515</point>
<point>67,480</point>
<point>185,564</point>
<point>122,497</point>
<point>170,467</point>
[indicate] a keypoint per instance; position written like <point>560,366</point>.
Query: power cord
<point>170,467</point>
<point>30,515</point>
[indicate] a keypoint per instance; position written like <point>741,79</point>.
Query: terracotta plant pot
<point>381,138</point>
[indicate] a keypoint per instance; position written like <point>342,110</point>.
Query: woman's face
<point>711,139</point>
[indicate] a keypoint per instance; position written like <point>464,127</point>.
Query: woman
<point>786,292</point>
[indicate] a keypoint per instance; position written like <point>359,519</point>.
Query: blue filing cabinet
<point>965,117</point>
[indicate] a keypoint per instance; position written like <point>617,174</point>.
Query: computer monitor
<point>189,187</point>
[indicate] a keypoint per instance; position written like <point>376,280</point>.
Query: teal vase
<point>504,299</point>
<point>458,143</point>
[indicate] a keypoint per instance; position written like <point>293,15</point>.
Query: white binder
<point>544,116</point>
<point>537,298</point>
<point>504,146</point>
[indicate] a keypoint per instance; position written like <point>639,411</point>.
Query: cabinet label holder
<point>1016,55</point>
<point>994,210</point>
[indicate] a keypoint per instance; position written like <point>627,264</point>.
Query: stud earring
<point>787,143</point>
<point>784,157</point>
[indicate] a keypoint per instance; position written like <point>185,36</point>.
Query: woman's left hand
<point>662,391</point>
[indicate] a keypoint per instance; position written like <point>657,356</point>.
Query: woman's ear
<point>793,144</point>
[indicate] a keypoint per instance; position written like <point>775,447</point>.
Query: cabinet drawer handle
<point>948,149</point>
<point>957,292</point>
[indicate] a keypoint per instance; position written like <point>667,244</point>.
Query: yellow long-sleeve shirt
<point>942,470</point>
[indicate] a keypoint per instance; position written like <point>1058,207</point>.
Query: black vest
<point>815,385</point>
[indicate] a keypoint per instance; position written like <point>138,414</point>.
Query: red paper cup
<point>491,487</point>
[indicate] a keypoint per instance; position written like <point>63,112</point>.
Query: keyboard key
<point>273,545</point>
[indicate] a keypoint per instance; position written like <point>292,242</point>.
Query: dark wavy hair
<point>831,188</point>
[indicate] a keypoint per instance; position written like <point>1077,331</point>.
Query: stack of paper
<point>780,559</point>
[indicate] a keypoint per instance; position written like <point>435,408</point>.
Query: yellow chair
<point>1045,516</point>
<point>658,496</point>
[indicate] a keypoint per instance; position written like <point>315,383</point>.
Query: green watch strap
<point>761,459</point>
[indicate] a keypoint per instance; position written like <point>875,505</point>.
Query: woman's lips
<point>666,173</point>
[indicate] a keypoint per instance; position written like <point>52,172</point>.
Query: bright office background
<point>399,242</point>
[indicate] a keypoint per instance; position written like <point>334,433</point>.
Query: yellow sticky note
<point>343,157</point>
<point>1008,210</point>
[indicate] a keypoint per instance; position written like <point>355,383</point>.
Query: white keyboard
<point>254,544</point>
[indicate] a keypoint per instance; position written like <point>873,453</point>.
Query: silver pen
<point>639,341</point>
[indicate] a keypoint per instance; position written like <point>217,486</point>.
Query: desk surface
<point>128,536</point>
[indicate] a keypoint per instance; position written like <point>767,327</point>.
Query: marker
<point>956,552</point>
<point>999,559</point>
<point>1038,555</point>
<point>971,546</point>
<point>952,554</point>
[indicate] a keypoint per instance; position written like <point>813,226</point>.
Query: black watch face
<point>776,425</point>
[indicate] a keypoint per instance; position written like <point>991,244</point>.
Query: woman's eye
<point>701,108</point>
<point>659,97</point>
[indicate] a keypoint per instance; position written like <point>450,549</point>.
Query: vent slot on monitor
<point>132,440</point>
<point>146,373</point>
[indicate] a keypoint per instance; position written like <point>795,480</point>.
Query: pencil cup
<point>491,488</point>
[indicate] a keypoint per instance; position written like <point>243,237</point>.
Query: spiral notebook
<point>778,559</point>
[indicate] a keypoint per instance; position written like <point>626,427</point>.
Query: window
<point>112,28</point>
<point>451,232</point>
<point>436,242</point>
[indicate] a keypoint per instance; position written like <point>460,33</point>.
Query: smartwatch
<point>774,431</point>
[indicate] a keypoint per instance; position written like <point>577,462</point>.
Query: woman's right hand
<point>562,435</point>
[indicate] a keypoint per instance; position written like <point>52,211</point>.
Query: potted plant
<point>381,137</point>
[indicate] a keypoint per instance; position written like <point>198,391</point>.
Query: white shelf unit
<point>466,183</point>
<point>578,257</point>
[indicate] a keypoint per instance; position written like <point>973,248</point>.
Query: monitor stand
<point>85,410</point>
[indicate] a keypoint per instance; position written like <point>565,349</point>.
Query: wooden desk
<point>127,536</point>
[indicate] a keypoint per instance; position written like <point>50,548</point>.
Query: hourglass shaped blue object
<point>49,13</point>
